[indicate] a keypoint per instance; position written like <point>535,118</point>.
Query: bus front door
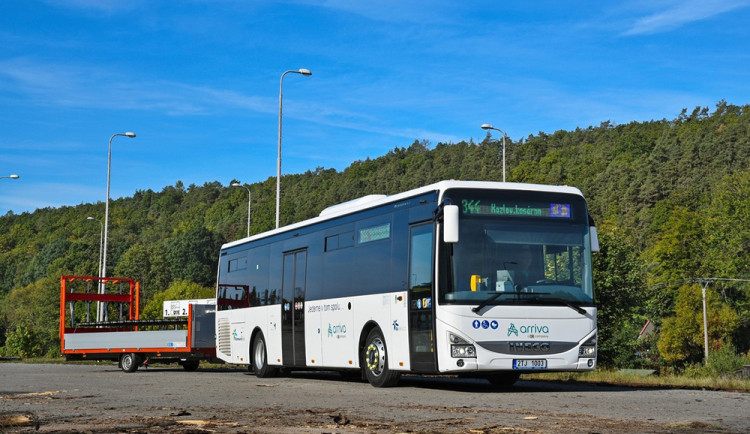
<point>421,303</point>
<point>293,309</point>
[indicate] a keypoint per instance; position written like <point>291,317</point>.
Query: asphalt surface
<point>101,398</point>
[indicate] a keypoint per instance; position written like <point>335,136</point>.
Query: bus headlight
<point>587,349</point>
<point>461,349</point>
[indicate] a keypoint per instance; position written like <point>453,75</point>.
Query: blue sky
<point>198,81</point>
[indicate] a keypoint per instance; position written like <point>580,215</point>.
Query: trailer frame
<point>188,341</point>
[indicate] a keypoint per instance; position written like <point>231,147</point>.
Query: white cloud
<point>91,87</point>
<point>682,13</point>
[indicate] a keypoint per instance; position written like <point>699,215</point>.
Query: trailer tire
<point>259,358</point>
<point>129,362</point>
<point>375,361</point>
<point>190,365</point>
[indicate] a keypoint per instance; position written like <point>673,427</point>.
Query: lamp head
<point>90,218</point>
<point>487,127</point>
<point>236,184</point>
<point>14,176</point>
<point>304,71</point>
<point>130,134</point>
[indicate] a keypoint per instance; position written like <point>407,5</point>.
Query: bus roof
<point>372,201</point>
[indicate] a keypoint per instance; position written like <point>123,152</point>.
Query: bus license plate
<point>529,363</point>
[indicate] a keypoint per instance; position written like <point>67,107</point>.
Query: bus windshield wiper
<point>488,300</point>
<point>497,295</point>
<point>563,302</point>
<point>578,309</point>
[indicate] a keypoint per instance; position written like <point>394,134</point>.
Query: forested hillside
<point>671,199</point>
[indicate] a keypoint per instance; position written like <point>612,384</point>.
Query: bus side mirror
<point>450,223</point>
<point>594,239</point>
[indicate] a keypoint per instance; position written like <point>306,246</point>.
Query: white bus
<point>482,279</point>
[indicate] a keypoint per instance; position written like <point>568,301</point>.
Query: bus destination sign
<point>515,209</point>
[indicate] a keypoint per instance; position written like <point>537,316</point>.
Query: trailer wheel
<point>260,359</point>
<point>129,362</point>
<point>190,365</point>
<point>375,361</point>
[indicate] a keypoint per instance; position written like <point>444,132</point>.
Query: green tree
<point>32,316</point>
<point>619,282</point>
<point>681,339</point>
<point>193,255</point>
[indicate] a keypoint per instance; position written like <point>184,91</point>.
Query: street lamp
<point>249,197</point>
<point>106,208</point>
<point>490,127</point>
<point>101,239</point>
<point>10,177</point>
<point>278,160</point>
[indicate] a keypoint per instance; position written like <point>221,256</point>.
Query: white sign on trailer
<point>179,308</point>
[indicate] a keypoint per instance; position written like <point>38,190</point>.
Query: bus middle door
<point>293,308</point>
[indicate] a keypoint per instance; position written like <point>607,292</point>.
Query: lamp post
<point>10,177</point>
<point>278,160</point>
<point>249,198</point>
<point>106,212</point>
<point>101,239</point>
<point>490,127</point>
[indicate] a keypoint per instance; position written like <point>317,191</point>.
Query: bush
<point>21,342</point>
<point>720,362</point>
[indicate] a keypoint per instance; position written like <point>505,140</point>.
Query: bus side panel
<point>241,323</point>
<point>240,338</point>
<point>271,328</point>
<point>342,321</point>
<point>398,341</point>
<point>231,335</point>
<point>335,335</point>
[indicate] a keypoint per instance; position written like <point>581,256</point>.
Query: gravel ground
<point>101,398</point>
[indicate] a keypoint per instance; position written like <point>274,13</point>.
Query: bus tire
<point>129,362</point>
<point>503,380</point>
<point>260,358</point>
<point>375,361</point>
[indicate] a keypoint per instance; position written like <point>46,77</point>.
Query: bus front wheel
<point>260,358</point>
<point>375,361</point>
<point>503,380</point>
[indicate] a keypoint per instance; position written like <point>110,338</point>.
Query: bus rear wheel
<point>260,358</point>
<point>375,361</point>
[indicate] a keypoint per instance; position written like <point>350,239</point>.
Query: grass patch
<point>630,379</point>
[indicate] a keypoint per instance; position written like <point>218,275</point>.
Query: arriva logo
<point>512,330</point>
<point>338,330</point>
<point>527,329</point>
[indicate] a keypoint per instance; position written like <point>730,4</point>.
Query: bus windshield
<point>518,259</point>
